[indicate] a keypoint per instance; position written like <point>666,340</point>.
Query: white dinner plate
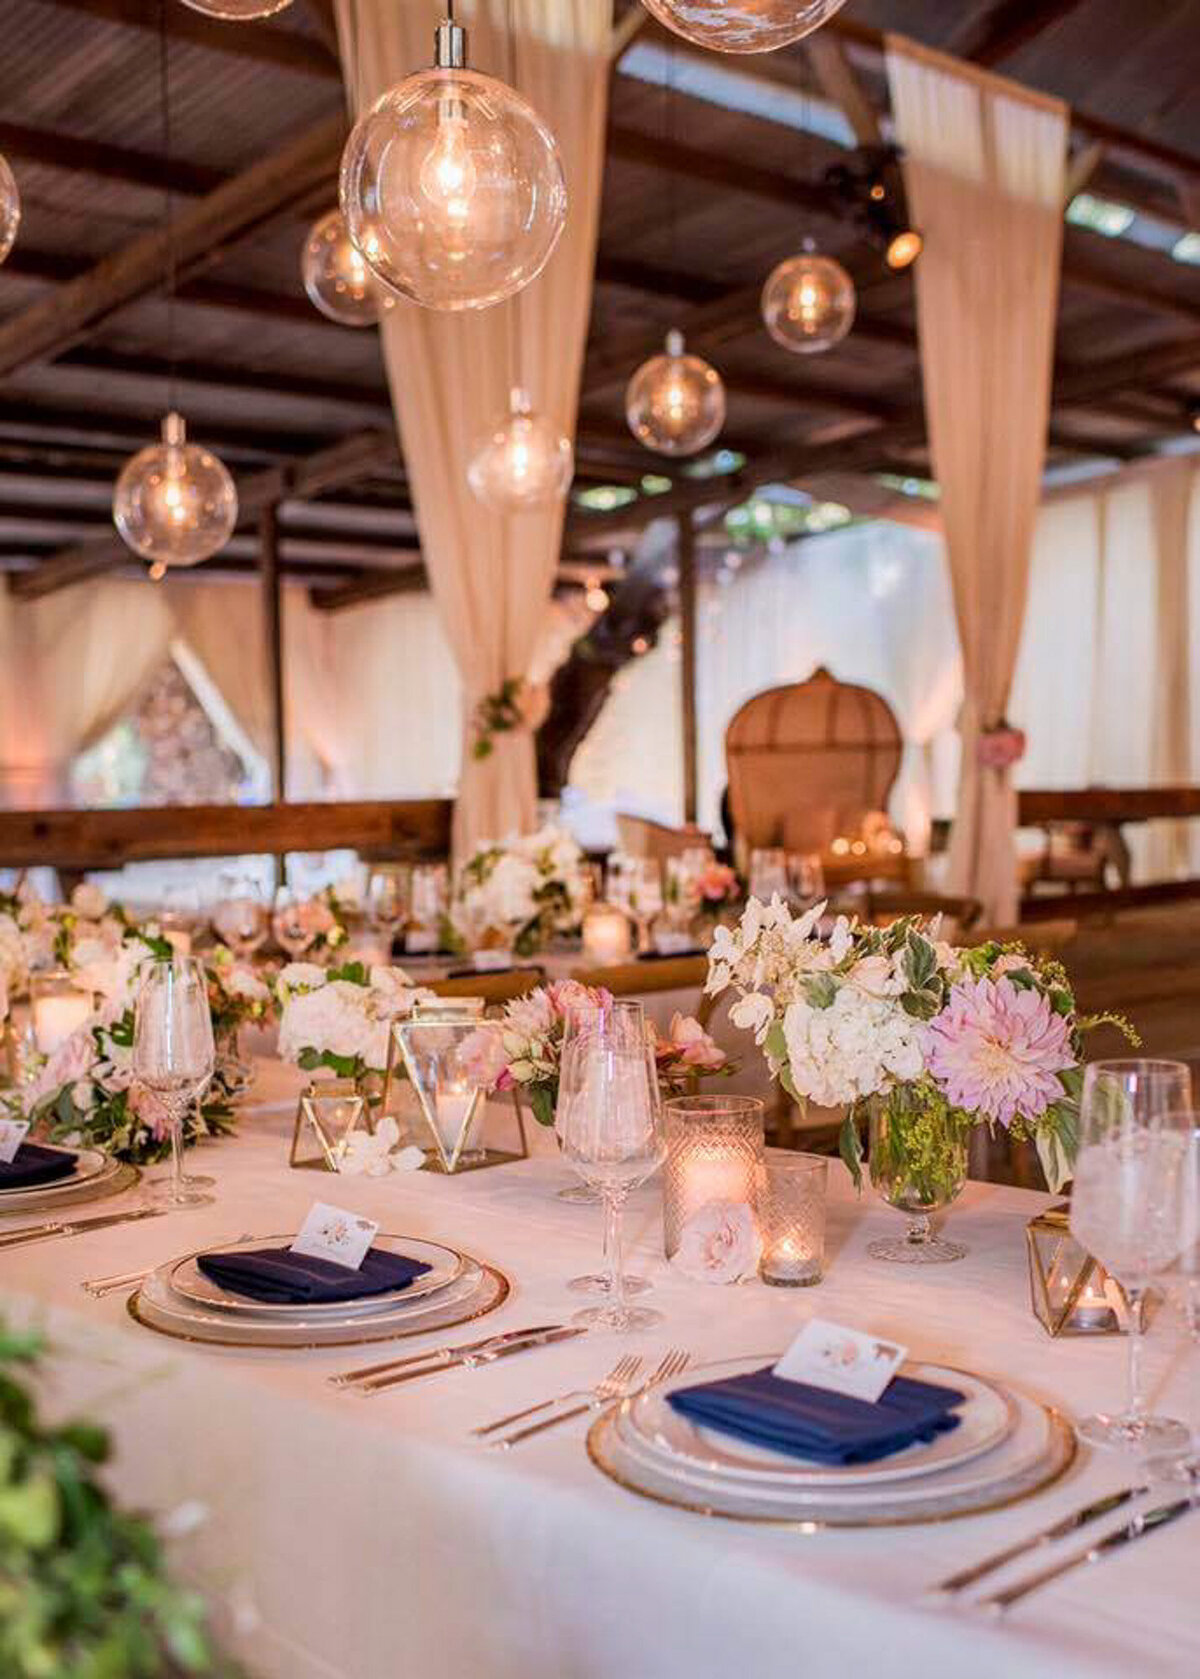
<point>89,1164</point>
<point>986,1417</point>
<point>445,1264</point>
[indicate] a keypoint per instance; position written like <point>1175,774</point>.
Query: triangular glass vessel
<point>329,1111</point>
<point>429,1041</point>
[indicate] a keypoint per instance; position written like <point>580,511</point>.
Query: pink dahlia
<point>997,1049</point>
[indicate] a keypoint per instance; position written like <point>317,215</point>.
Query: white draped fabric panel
<point>450,374</point>
<point>70,665</point>
<point>985,170</point>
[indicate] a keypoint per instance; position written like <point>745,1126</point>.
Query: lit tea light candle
<point>452,1110</point>
<point>607,936</point>
<point>58,1010</point>
<point>792,1220</point>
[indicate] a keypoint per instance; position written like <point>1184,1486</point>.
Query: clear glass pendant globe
<point>175,501</point>
<point>336,276</point>
<point>10,208</point>
<point>675,403</point>
<point>525,463</point>
<point>743,25</point>
<point>237,11</point>
<point>808,304</point>
<point>453,189</point>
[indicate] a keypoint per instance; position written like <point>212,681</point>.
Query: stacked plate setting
<point>95,1176</point>
<point>1005,1447</point>
<point>179,1300</point>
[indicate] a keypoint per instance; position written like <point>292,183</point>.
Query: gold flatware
<point>674,1364</point>
<point>76,1227</point>
<point>618,1378</point>
<point>442,1354</point>
<point>1137,1527</point>
<point>485,1355</point>
<point>1057,1530</point>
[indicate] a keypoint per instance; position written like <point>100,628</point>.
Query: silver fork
<point>674,1363</point>
<point>622,1372</point>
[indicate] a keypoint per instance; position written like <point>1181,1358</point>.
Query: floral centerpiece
<point>520,893</point>
<point>924,1039</point>
<point>341,1018</point>
<point>522,1050</point>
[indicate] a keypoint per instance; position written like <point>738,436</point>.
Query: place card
<point>333,1234</point>
<point>828,1355</point>
<point>12,1135</point>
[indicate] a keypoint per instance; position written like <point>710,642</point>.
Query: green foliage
<point>850,1147</point>
<point>354,973</point>
<point>497,714</point>
<point>83,1590</point>
<point>345,1066</point>
<point>541,1100</point>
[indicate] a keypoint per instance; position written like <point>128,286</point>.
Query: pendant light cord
<point>164,70</point>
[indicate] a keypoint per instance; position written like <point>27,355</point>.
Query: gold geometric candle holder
<point>327,1115</point>
<point>428,1042</point>
<point>1071,1293</point>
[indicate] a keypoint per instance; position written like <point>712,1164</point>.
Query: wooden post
<point>268,540</point>
<point>686,556</point>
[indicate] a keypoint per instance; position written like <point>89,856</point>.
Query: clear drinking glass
<point>430,896</point>
<point>646,896</point>
<point>294,930</point>
<point>1184,1280</point>
<point>173,1058</point>
<point>1135,1129</point>
<point>387,900</point>
<point>806,878</point>
<point>240,918</point>
<point>610,1126</point>
<point>768,873</point>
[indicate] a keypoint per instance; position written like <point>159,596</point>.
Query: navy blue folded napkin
<point>813,1423</point>
<point>276,1276</point>
<point>33,1165</point>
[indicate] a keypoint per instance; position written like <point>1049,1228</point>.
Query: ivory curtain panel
<point>985,172</point>
<point>450,374</point>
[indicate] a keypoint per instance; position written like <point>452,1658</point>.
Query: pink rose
<point>695,1047</point>
<point>150,1110</point>
<point>69,1063</point>
<point>719,1243</point>
<point>482,1057</point>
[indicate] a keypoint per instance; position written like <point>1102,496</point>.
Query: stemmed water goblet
<point>610,1126</point>
<point>173,1059</point>
<point>387,904</point>
<point>1183,1280</point>
<point>1135,1132</point>
<point>240,918</point>
<point>294,928</point>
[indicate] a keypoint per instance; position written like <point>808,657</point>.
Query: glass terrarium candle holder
<point>329,1112</point>
<point>429,1044</point>
<point>791,1216</point>
<point>57,1008</point>
<point>714,1153</point>
<point>607,935</point>
<point>1071,1293</point>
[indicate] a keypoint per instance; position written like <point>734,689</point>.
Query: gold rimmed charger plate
<point>492,1298</point>
<point>1057,1458</point>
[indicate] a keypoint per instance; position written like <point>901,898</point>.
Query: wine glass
<point>610,1126</point>
<point>646,896</point>
<point>1134,1133</point>
<point>240,918</point>
<point>173,1059</point>
<point>387,902</point>
<point>806,878</point>
<point>768,873</point>
<point>294,929</point>
<point>427,910</point>
<point>1184,1279</point>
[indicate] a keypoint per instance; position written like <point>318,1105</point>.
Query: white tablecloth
<point>373,1540</point>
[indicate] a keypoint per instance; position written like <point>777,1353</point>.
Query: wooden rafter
<point>263,42</point>
<point>1006,27</point>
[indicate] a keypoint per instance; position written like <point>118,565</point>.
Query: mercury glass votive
<point>714,1153</point>
<point>791,1216</point>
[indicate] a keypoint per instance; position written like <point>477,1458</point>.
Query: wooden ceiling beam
<point>266,43</point>
<point>841,86</point>
<point>210,375</point>
<point>1006,27</point>
<point>131,168</point>
<point>370,586</point>
<point>237,208</point>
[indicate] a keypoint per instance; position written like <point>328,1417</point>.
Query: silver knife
<point>1058,1530</point>
<point>1147,1522</point>
<point>75,1227</point>
<point>441,1355</point>
<point>488,1355</point>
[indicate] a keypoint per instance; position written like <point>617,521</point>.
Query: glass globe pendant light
<point>747,26</point>
<point>675,403</point>
<point>336,276</point>
<point>524,464</point>
<point>175,502</point>
<point>452,186</point>
<point>238,11</point>
<point>10,208</point>
<point>808,303</point>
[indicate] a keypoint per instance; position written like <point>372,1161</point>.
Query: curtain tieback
<point>1000,746</point>
<point>515,704</point>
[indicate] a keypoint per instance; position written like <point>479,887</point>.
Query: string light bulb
<point>10,208</point>
<point>175,502</point>
<point>336,276</point>
<point>675,403</point>
<point>452,186</point>
<point>748,26</point>
<point>808,303</point>
<point>525,462</point>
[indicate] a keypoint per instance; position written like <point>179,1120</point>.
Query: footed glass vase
<point>918,1163</point>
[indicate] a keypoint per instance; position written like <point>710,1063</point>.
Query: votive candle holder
<point>792,1220</point>
<point>714,1153</point>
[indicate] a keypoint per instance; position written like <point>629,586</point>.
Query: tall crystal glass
<point>1126,1210</point>
<point>610,1125</point>
<point>173,1058</point>
<point>295,931</point>
<point>768,873</point>
<point>387,901</point>
<point>1183,1279</point>
<point>240,918</point>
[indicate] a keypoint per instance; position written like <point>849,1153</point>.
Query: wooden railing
<point>95,839</point>
<point>1098,805</point>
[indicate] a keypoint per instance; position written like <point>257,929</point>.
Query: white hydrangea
<point>856,1047</point>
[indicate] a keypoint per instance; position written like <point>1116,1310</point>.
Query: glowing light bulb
<point>175,503</point>
<point>336,276</point>
<point>808,303</point>
<point>525,462</point>
<point>748,26</point>
<point>675,403</point>
<point>452,186</point>
<point>10,208</point>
